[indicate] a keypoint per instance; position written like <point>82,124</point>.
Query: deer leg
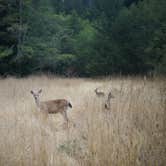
<point>64,114</point>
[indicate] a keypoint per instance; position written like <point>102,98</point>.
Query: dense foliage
<point>82,37</point>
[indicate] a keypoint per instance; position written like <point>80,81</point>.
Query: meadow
<point>131,133</point>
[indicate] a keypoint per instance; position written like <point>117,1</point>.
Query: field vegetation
<point>131,133</point>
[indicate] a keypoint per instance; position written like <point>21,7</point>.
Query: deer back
<point>54,106</point>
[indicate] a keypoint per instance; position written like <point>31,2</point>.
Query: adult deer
<point>52,106</point>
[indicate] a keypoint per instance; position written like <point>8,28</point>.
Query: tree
<point>8,32</point>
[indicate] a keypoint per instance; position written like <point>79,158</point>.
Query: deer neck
<point>37,101</point>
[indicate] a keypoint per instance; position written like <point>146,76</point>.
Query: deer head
<point>36,95</point>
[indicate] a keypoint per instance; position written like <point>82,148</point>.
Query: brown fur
<point>54,106</point>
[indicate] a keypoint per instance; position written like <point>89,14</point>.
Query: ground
<point>131,133</point>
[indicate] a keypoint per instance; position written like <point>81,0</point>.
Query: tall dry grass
<point>132,133</point>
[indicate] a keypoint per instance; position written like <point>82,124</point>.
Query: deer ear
<point>40,91</point>
<point>31,92</point>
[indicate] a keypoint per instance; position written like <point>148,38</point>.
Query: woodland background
<point>82,38</point>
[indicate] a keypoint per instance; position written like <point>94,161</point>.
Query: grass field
<point>132,133</point>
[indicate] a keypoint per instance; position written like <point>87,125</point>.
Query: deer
<point>52,106</point>
<point>99,93</point>
<point>108,101</point>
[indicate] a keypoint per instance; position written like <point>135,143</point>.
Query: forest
<point>82,38</point>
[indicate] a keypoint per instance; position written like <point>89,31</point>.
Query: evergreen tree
<point>9,28</point>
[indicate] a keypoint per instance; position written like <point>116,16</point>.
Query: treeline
<point>82,37</point>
